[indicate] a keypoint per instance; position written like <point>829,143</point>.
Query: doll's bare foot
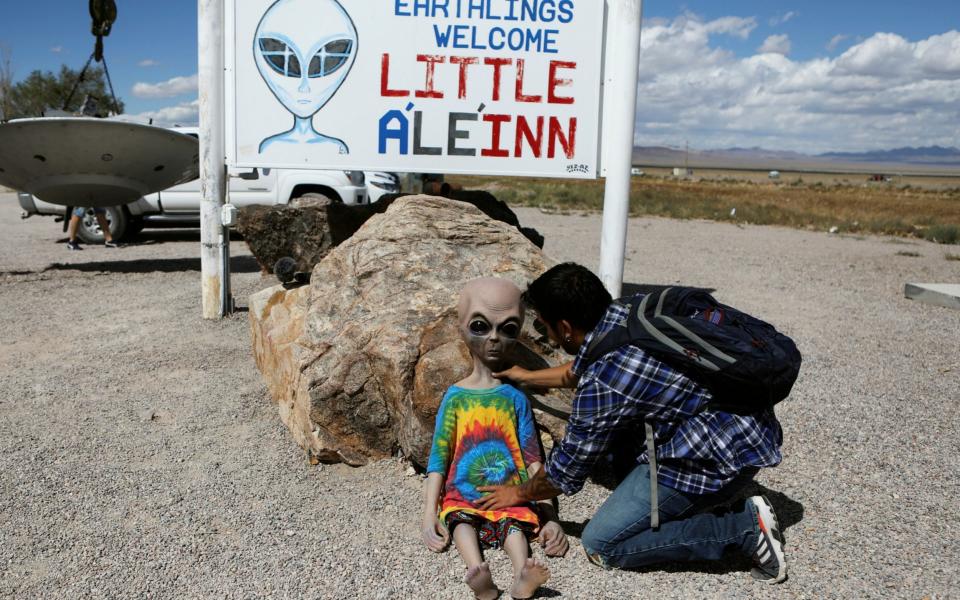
<point>481,582</point>
<point>533,574</point>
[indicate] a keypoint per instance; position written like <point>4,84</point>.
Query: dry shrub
<point>902,211</point>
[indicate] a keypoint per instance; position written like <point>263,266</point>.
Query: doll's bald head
<point>490,315</point>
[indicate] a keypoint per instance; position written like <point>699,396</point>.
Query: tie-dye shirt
<point>483,437</point>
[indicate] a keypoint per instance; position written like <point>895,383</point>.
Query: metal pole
<point>212,166</point>
<point>620,90</point>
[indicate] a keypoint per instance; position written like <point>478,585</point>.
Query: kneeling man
<point>703,458</point>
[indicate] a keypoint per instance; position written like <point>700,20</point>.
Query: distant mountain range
<point>929,158</point>
<point>929,155</point>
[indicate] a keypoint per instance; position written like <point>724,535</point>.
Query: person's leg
<point>619,535</point>
<point>478,573</point>
<point>104,225</point>
<point>74,225</point>
<point>528,573</point>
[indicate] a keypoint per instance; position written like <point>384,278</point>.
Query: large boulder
<point>487,203</point>
<point>309,227</point>
<point>304,231</point>
<point>358,361</point>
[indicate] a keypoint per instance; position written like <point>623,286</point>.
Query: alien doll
<point>485,435</point>
<point>304,50</point>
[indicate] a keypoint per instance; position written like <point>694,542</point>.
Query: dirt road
<point>141,457</point>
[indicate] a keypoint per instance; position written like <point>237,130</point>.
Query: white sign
<point>499,87</point>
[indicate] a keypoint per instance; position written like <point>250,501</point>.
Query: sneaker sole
<point>768,514</point>
<point>770,528</point>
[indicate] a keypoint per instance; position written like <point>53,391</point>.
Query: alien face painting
<point>304,50</point>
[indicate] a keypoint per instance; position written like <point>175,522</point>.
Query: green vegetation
<point>943,234</point>
<point>41,91</point>
<point>901,211</point>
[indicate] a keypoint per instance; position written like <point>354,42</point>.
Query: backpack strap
<point>646,322</point>
<point>652,456</point>
<point>620,335</point>
<point>686,333</point>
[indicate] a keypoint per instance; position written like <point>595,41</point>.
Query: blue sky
<point>809,76</point>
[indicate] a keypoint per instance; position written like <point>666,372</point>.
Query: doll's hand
<point>434,534</point>
<point>553,539</point>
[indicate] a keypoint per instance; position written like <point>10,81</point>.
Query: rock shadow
<point>238,264</point>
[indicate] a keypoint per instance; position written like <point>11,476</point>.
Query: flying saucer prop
<point>93,162</point>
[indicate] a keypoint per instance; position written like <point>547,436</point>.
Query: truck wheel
<point>89,231</point>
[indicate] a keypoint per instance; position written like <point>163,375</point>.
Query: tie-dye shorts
<point>492,535</point>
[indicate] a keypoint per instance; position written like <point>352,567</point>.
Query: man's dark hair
<point>569,292</point>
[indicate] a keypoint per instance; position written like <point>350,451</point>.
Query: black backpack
<point>746,363</point>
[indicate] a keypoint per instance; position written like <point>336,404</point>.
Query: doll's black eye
<point>510,330</point>
<point>478,327</point>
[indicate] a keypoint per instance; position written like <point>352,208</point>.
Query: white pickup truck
<point>180,205</point>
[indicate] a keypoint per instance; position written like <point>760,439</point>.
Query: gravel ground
<point>140,455</point>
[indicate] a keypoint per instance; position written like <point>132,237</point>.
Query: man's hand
<point>499,497</point>
<point>553,539</point>
<point>434,534</point>
<point>560,376</point>
<point>515,374</point>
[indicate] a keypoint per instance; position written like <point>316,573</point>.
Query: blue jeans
<point>80,211</point>
<point>619,535</point>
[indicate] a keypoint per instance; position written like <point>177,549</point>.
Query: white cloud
<point>884,91</point>
<point>56,49</point>
<point>148,62</point>
<point>166,89</point>
<point>685,41</point>
<point>735,26</point>
<point>835,41</point>
<point>185,113</point>
<point>878,56</point>
<point>776,44</point>
<point>940,55</point>
<point>781,19</point>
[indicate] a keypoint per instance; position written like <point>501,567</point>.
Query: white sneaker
<point>768,556</point>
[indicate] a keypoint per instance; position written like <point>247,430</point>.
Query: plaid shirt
<point>699,450</point>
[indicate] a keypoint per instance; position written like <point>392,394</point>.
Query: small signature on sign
<point>578,168</point>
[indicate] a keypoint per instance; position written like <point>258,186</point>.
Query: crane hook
<point>103,13</point>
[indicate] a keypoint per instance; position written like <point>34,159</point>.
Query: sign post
<point>623,31</point>
<point>212,166</point>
